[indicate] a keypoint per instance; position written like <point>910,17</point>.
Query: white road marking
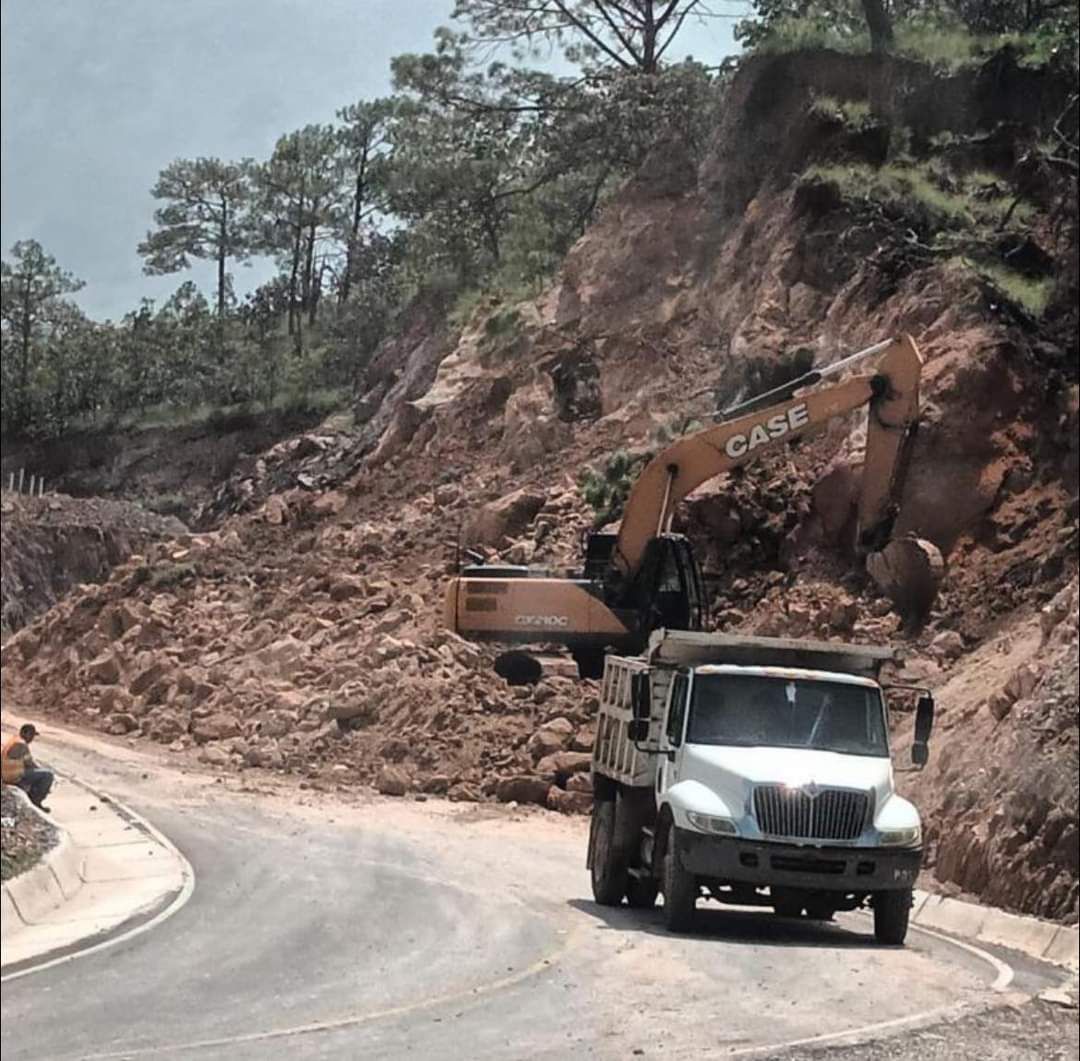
<point>180,900</point>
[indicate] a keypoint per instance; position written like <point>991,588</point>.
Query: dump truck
<point>754,771</point>
<point>645,577</point>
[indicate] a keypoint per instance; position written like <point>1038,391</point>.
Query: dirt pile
<point>1000,792</point>
<point>289,640</point>
<point>53,543</point>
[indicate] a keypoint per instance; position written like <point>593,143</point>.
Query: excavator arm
<point>891,393</point>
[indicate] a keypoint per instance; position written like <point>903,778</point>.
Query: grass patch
<point>795,34</point>
<point>294,401</point>
<point>924,194</point>
<point>1029,293</point>
<point>168,504</point>
<point>854,115</point>
<point>938,40</point>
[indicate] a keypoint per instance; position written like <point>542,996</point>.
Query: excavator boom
<point>892,394</point>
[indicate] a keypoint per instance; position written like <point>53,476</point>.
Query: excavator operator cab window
<point>671,596</point>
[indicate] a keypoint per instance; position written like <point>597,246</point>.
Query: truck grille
<point>831,814</point>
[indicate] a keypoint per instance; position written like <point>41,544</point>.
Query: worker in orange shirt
<point>20,769</point>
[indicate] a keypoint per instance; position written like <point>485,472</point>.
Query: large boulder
<point>522,790</point>
<point>104,669</point>
<point>393,781</point>
<point>499,521</point>
<point>554,736</point>
<point>220,726</point>
<point>562,764</point>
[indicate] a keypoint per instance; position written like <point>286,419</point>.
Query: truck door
<point>674,729</point>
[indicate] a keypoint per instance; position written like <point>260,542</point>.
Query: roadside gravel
<point>1037,1031</point>
<point>24,837</point>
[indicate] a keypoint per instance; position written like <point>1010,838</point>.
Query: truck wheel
<point>590,662</point>
<point>820,912</point>
<point>787,907</point>
<point>680,891</point>
<point>891,912</point>
<point>641,893</point>
<point>608,868</point>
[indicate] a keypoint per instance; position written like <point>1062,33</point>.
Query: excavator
<point>645,577</point>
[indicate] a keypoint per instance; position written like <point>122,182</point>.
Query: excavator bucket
<point>908,571</point>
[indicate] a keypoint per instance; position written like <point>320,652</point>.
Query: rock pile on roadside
<point>280,643</point>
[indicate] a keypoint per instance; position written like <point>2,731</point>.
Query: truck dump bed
<point>616,756</point>
<point>682,648</point>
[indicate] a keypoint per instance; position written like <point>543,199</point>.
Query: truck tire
<point>641,893</point>
<point>892,910</point>
<point>590,663</point>
<point>606,862</point>
<point>680,891</point>
<point>817,911</point>
<point>787,907</point>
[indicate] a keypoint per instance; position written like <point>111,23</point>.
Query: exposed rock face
<point>53,543</point>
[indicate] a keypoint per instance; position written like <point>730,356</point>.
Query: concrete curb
<point>73,903</point>
<point>45,887</point>
<point>1043,940</point>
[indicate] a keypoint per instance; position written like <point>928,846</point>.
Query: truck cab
<point>753,771</point>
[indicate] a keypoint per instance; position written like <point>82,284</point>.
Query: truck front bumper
<point>844,869</point>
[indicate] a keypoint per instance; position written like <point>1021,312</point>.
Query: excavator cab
<point>669,590</point>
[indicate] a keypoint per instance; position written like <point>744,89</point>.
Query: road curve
<point>394,930</point>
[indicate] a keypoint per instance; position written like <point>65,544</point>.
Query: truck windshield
<point>747,710</point>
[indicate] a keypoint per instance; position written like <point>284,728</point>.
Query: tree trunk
<point>354,230</point>
<point>294,274</point>
<point>223,230</point>
<point>309,270</point>
<point>880,26</point>
<point>222,251</point>
<point>648,48</point>
<point>26,326</point>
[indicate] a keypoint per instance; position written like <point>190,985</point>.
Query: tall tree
<point>31,290</point>
<point>629,34</point>
<point>300,192</point>
<point>365,140</point>
<point>204,217</point>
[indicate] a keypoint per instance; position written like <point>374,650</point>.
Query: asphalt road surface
<point>326,926</point>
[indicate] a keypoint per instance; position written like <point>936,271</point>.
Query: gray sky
<point>98,95</point>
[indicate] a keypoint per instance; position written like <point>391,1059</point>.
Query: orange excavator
<point>645,577</point>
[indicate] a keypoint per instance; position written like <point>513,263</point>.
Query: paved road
<point>393,930</point>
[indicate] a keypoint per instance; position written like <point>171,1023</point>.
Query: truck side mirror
<point>924,723</point>
<point>638,730</point>
<point>924,718</point>
<point>641,697</point>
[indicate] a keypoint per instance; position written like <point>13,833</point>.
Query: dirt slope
<point>52,544</point>
<point>320,599</point>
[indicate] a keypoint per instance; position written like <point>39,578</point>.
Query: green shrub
<point>606,490</point>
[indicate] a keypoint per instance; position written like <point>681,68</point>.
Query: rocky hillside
<point>54,543</point>
<point>304,633</point>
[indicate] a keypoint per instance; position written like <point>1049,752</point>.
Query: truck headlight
<point>910,837</point>
<point>708,824</point>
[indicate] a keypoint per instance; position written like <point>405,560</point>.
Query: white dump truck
<point>755,771</point>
